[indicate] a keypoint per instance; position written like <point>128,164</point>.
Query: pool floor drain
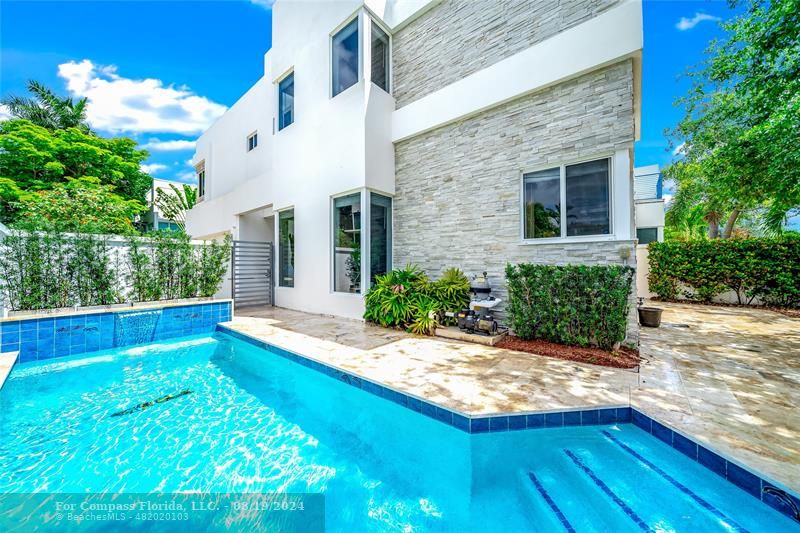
<point>145,405</point>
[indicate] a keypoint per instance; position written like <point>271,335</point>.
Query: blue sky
<point>160,72</point>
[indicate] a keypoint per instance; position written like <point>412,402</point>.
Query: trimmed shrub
<point>768,269</point>
<point>407,299</point>
<point>573,304</point>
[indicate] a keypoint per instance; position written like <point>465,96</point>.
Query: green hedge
<point>573,304</point>
<point>47,270</point>
<point>767,269</point>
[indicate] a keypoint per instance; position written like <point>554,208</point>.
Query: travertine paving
<point>727,377</point>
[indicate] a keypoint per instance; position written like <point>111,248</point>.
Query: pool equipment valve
<point>478,319</point>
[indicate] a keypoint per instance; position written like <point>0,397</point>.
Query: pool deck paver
<point>727,377</point>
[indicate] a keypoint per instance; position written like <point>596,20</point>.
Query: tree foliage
<point>741,129</point>
<point>79,205</point>
<point>767,269</point>
<point>48,110</point>
<point>175,203</point>
<point>36,158</point>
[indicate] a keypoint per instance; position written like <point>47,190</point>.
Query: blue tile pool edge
<point>46,337</point>
<point>742,477</point>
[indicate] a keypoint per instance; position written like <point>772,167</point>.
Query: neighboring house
<point>442,133</point>
<point>153,218</point>
<point>647,193</point>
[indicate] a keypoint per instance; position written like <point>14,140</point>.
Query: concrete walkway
<point>727,377</point>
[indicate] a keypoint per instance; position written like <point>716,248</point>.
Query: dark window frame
<point>286,82</point>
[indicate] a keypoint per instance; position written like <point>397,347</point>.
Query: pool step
<point>610,487</point>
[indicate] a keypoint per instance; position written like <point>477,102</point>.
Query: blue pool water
<point>255,422</point>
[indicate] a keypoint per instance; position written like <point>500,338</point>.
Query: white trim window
<point>200,170</point>
<point>286,101</point>
<point>252,141</point>
<point>380,56</point>
<point>584,188</point>
<point>286,248</point>
<point>345,57</point>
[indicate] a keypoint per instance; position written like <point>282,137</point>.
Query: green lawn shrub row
<point>767,269</point>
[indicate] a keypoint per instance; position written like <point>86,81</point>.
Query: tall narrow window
<point>252,141</point>
<point>286,248</point>
<point>380,235</point>
<point>380,57</point>
<point>200,169</point>
<point>543,204</point>
<point>587,199</point>
<point>344,55</point>
<point>347,243</point>
<point>286,101</point>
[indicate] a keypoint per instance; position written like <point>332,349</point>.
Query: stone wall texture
<point>458,187</point>
<point>459,37</point>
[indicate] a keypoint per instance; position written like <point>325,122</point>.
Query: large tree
<point>36,158</point>
<point>48,110</point>
<point>83,205</point>
<point>741,129</point>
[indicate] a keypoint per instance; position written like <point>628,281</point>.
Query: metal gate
<point>251,273</point>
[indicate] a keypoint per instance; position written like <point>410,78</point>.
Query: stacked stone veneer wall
<point>458,188</point>
<point>459,37</point>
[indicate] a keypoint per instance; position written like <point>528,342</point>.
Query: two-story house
<point>441,133</point>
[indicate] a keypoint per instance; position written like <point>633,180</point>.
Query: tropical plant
<point>452,292</point>
<point>407,299</point>
<point>175,202</point>
<point>741,131</point>
<point>571,304</point>
<point>10,195</point>
<point>425,314</point>
<point>81,205</point>
<point>390,299</point>
<point>48,110</point>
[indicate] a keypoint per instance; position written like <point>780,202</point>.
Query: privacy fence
<point>57,270</point>
<point>744,271</point>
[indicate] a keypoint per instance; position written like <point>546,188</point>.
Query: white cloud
<point>266,4</point>
<point>152,168</point>
<point>186,177</point>
<point>4,112</point>
<point>168,146</point>
<point>689,23</point>
<point>118,104</point>
<point>679,149</point>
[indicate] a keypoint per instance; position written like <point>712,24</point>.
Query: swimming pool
<point>233,417</point>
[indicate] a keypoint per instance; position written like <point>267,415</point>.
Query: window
<point>286,101</point>
<point>380,235</point>
<point>587,199</point>
<point>583,188</point>
<point>380,57</point>
<point>286,248</point>
<point>344,56</point>
<point>200,169</point>
<point>347,243</point>
<point>646,235</point>
<point>543,204</point>
<point>252,141</point>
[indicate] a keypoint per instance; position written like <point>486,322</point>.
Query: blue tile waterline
<point>38,339</point>
<point>741,477</point>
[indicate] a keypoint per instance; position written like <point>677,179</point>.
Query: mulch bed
<point>623,357</point>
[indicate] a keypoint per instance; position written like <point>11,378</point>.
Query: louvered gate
<point>251,271</point>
